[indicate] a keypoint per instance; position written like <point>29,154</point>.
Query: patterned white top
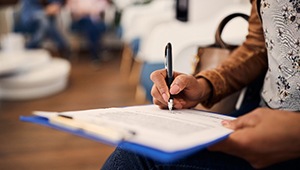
<point>281,24</point>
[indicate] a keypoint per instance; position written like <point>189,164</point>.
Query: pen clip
<point>166,60</point>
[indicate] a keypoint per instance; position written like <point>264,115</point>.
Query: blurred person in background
<point>88,18</point>
<point>38,18</point>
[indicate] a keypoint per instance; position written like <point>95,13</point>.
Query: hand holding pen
<point>175,90</point>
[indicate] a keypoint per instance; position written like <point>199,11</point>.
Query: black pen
<point>169,78</point>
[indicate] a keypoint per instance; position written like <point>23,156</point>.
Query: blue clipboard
<point>155,154</point>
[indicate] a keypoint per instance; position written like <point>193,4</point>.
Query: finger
<point>158,78</point>
<point>248,120</point>
<point>163,105</point>
<point>179,83</point>
<point>178,105</point>
<point>157,96</point>
<point>159,104</point>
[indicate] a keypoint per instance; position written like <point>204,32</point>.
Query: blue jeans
<point>93,31</point>
<point>40,26</point>
<point>203,160</point>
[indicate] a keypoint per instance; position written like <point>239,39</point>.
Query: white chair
<point>40,81</point>
<point>29,74</point>
<point>22,61</point>
<point>137,21</point>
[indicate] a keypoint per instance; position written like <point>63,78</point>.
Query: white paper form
<point>160,129</point>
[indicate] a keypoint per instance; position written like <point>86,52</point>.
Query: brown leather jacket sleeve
<point>244,64</point>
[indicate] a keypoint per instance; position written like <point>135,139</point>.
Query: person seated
<point>88,19</point>
<point>38,19</point>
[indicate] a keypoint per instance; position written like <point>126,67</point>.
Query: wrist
<point>206,89</point>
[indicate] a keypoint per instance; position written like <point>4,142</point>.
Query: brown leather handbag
<point>209,57</point>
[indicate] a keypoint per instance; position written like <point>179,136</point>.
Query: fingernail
<point>225,123</point>
<point>174,89</point>
<point>165,97</point>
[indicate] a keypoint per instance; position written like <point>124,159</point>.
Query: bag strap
<point>218,39</point>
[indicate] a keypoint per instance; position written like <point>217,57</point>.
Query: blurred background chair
<point>46,77</point>
<point>136,22</point>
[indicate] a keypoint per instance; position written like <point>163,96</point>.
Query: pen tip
<point>170,104</point>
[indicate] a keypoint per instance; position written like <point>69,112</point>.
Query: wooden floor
<point>28,146</point>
